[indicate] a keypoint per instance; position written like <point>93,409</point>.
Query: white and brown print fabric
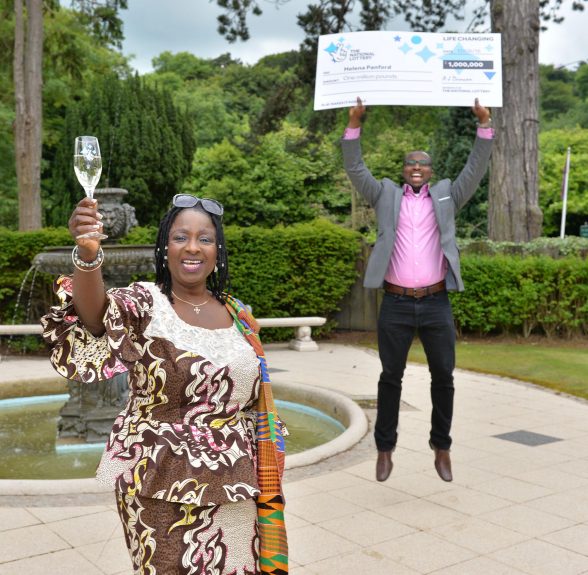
<point>187,433</point>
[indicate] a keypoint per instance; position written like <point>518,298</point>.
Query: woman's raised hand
<point>85,218</point>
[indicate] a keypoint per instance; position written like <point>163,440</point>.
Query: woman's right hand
<point>89,297</point>
<point>85,218</point>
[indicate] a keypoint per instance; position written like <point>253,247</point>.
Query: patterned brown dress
<point>181,455</point>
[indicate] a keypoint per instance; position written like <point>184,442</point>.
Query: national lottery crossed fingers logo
<point>338,52</point>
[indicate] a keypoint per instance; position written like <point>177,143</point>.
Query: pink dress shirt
<point>417,259</point>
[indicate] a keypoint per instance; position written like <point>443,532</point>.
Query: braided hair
<point>218,282</point>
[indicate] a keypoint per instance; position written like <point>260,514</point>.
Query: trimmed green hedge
<point>306,269</point>
<point>17,250</point>
<point>303,269</point>
<point>510,294</point>
<point>552,247</point>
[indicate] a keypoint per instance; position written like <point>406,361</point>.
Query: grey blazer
<point>385,197</point>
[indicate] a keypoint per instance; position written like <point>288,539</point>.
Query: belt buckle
<point>420,292</point>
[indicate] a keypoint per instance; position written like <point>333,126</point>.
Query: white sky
<point>154,26</point>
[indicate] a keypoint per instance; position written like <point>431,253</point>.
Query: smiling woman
<point>193,245</point>
<point>183,456</point>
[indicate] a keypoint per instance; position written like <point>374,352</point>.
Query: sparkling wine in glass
<point>88,168</point>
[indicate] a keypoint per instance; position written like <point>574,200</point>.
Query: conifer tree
<point>147,145</point>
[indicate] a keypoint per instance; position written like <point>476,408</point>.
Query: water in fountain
<point>33,269</point>
<point>29,451</point>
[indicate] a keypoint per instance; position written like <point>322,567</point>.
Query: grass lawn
<point>559,364</point>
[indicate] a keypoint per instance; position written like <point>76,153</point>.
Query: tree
<point>101,18</point>
<point>562,98</point>
<point>185,65</point>
<point>514,212</point>
<point>513,208</point>
<point>7,163</point>
<point>280,179</point>
<point>582,80</point>
<point>72,58</point>
<point>553,145</point>
<point>557,91</point>
<point>28,82</point>
<point>147,147</point>
<point>333,16</point>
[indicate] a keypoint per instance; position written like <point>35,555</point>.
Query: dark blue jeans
<point>431,318</point>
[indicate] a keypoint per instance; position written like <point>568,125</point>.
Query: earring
<point>215,269</point>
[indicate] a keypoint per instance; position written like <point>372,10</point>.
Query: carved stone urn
<point>119,217</point>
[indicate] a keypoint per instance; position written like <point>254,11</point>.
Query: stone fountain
<point>90,410</point>
<point>121,262</point>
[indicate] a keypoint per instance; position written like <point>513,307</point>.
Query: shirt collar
<point>407,189</point>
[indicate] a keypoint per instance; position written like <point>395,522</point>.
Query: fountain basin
<point>332,404</point>
<point>121,262</point>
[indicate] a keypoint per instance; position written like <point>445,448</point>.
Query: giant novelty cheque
<point>408,68</point>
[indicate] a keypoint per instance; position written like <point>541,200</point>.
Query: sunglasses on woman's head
<point>189,201</point>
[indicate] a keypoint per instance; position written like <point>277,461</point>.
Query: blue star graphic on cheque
<point>331,49</point>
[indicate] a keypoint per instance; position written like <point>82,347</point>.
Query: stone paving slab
<point>512,509</point>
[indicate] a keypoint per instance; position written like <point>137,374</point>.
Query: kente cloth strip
<point>273,553</point>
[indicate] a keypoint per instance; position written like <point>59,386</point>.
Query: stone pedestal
<point>303,340</point>
<point>91,409</point>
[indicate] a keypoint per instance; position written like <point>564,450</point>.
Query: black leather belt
<point>415,292</point>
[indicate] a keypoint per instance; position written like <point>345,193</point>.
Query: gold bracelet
<point>83,266</point>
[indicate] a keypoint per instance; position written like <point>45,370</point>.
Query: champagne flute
<point>88,168</point>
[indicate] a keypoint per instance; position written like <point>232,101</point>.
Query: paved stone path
<point>518,504</point>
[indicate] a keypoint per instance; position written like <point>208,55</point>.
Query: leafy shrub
<point>510,294</point>
<point>299,270</point>
<point>17,250</point>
